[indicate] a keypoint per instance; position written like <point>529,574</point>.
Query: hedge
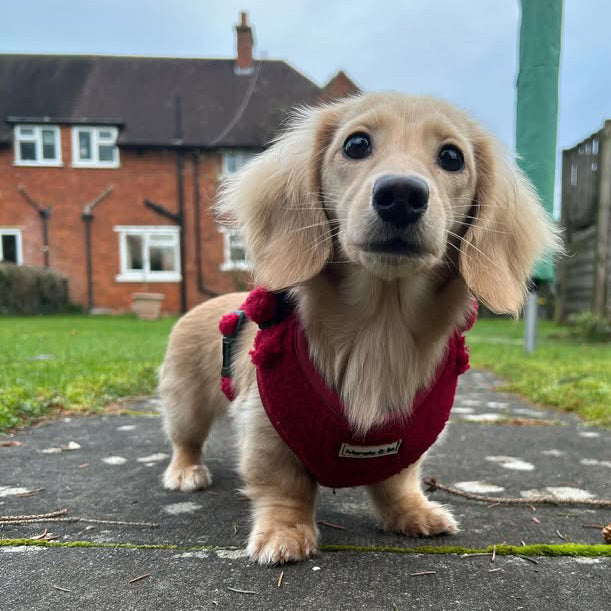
<point>26,289</point>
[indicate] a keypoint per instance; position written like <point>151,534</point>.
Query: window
<point>573,174</point>
<point>95,147</point>
<point>37,145</point>
<point>235,253</point>
<point>234,159</point>
<point>595,146</point>
<point>149,254</point>
<point>10,246</point>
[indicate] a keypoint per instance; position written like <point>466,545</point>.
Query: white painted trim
<point>19,242</point>
<point>145,275</point>
<point>228,265</point>
<point>37,140</point>
<point>94,131</point>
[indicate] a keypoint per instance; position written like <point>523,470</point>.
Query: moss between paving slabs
<point>564,549</point>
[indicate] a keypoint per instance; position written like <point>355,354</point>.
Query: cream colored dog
<point>384,214</point>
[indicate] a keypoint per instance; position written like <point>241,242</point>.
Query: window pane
<point>9,249</point>
<point>26,131</point>
<point>134,252</point>
<point>106,153</point>
<point>27,151</point>
<point>105,134</point>
<point>48,144</point>
<point>84,146</point>
<point>237,254</point>
<point>162,258</point>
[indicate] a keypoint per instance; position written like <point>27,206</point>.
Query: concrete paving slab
<point>109,468</point>
<point>98,579</point>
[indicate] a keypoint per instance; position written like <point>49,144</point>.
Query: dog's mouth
<point>394,246</point>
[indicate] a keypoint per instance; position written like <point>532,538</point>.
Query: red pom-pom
<point>260,305</point>
<point>228,323</point>
<point>226,388</point>
<point>462,355</point>
<point>471,318</point>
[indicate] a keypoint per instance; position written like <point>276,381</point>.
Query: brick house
<point>109,166</point>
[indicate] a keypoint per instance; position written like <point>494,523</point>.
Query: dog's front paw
<point>187,479</point>
<point>285,543</point>
<point>423,518</point>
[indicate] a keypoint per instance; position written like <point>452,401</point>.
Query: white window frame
<point>242,156</point>
<point>36,138</point>
<point>228,264</point>
<point>96,141</point>
<point>146,275</point>
<point>17,233</point>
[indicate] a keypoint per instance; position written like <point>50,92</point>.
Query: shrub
<point>26,289</point>
<point>590,327</point>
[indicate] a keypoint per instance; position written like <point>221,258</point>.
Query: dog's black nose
<point>400,200</point>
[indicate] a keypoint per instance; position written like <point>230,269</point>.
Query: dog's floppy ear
<point>276,201</point>
<point>509,233</point>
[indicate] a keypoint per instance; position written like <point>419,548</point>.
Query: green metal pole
<point>537,115</point>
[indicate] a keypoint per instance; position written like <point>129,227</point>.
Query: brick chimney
<point>244,63</point>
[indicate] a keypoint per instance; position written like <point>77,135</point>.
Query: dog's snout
<point>400,200</point>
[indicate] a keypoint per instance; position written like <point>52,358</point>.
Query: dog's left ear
<point>509,233</point>
<point>278,204</point>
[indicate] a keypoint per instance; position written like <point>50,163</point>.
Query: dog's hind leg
<point>190,406</point>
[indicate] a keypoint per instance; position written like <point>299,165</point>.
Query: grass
<point>95,360</point>
<point>101,358</point>
<point>563,372</point>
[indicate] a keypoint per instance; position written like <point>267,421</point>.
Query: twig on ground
<point>592,526</point>
<point>280,578</point>
<point>139,578</point>
<point>241,591</point>
<point>423,573</point>
<point>60,588</point>
<point>528,558</point>
<point>30,493</point>
<point>35,516</point>
<point>493,554</point>
<point>433,485</point>
<point>331,525</point>
<point>53,516</point>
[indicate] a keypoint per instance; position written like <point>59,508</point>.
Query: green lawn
<point>95,359</point>
<point>98,359</point>
<point>572,375</point>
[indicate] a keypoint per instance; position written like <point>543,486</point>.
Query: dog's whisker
<point>471,245</point>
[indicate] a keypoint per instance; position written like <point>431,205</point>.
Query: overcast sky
<point>465,52</point>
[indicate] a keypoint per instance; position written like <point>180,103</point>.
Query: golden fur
<point>376,323</point>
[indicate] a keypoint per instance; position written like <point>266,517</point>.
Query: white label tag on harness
<point>349,451</point>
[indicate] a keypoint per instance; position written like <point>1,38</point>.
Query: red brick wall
<point>146,174</point>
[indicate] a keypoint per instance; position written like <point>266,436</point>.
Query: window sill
<point>152,277</point>
<point>97,166</point>
<point>39,164</point>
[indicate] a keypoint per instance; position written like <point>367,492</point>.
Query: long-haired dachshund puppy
<point>372,224</point>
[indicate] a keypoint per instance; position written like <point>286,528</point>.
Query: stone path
<point>109,468</point>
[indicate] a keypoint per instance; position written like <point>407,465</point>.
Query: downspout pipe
<point>45,215</point>
<point>180,190</point>
<point>201,285</point>
<point>88,220</point>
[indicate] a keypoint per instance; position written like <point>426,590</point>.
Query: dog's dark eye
<point>357,146</point>
<point>450,158</point>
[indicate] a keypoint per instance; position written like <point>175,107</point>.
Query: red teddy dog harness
<point>309,416</point>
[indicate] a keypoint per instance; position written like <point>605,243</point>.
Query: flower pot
<point>147,305</point>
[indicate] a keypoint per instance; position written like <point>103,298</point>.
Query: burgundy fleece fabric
<point>309,416</point>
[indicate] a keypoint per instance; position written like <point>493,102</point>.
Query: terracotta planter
<point>147,305</point>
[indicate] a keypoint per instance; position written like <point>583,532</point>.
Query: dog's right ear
<point>276,201</point>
